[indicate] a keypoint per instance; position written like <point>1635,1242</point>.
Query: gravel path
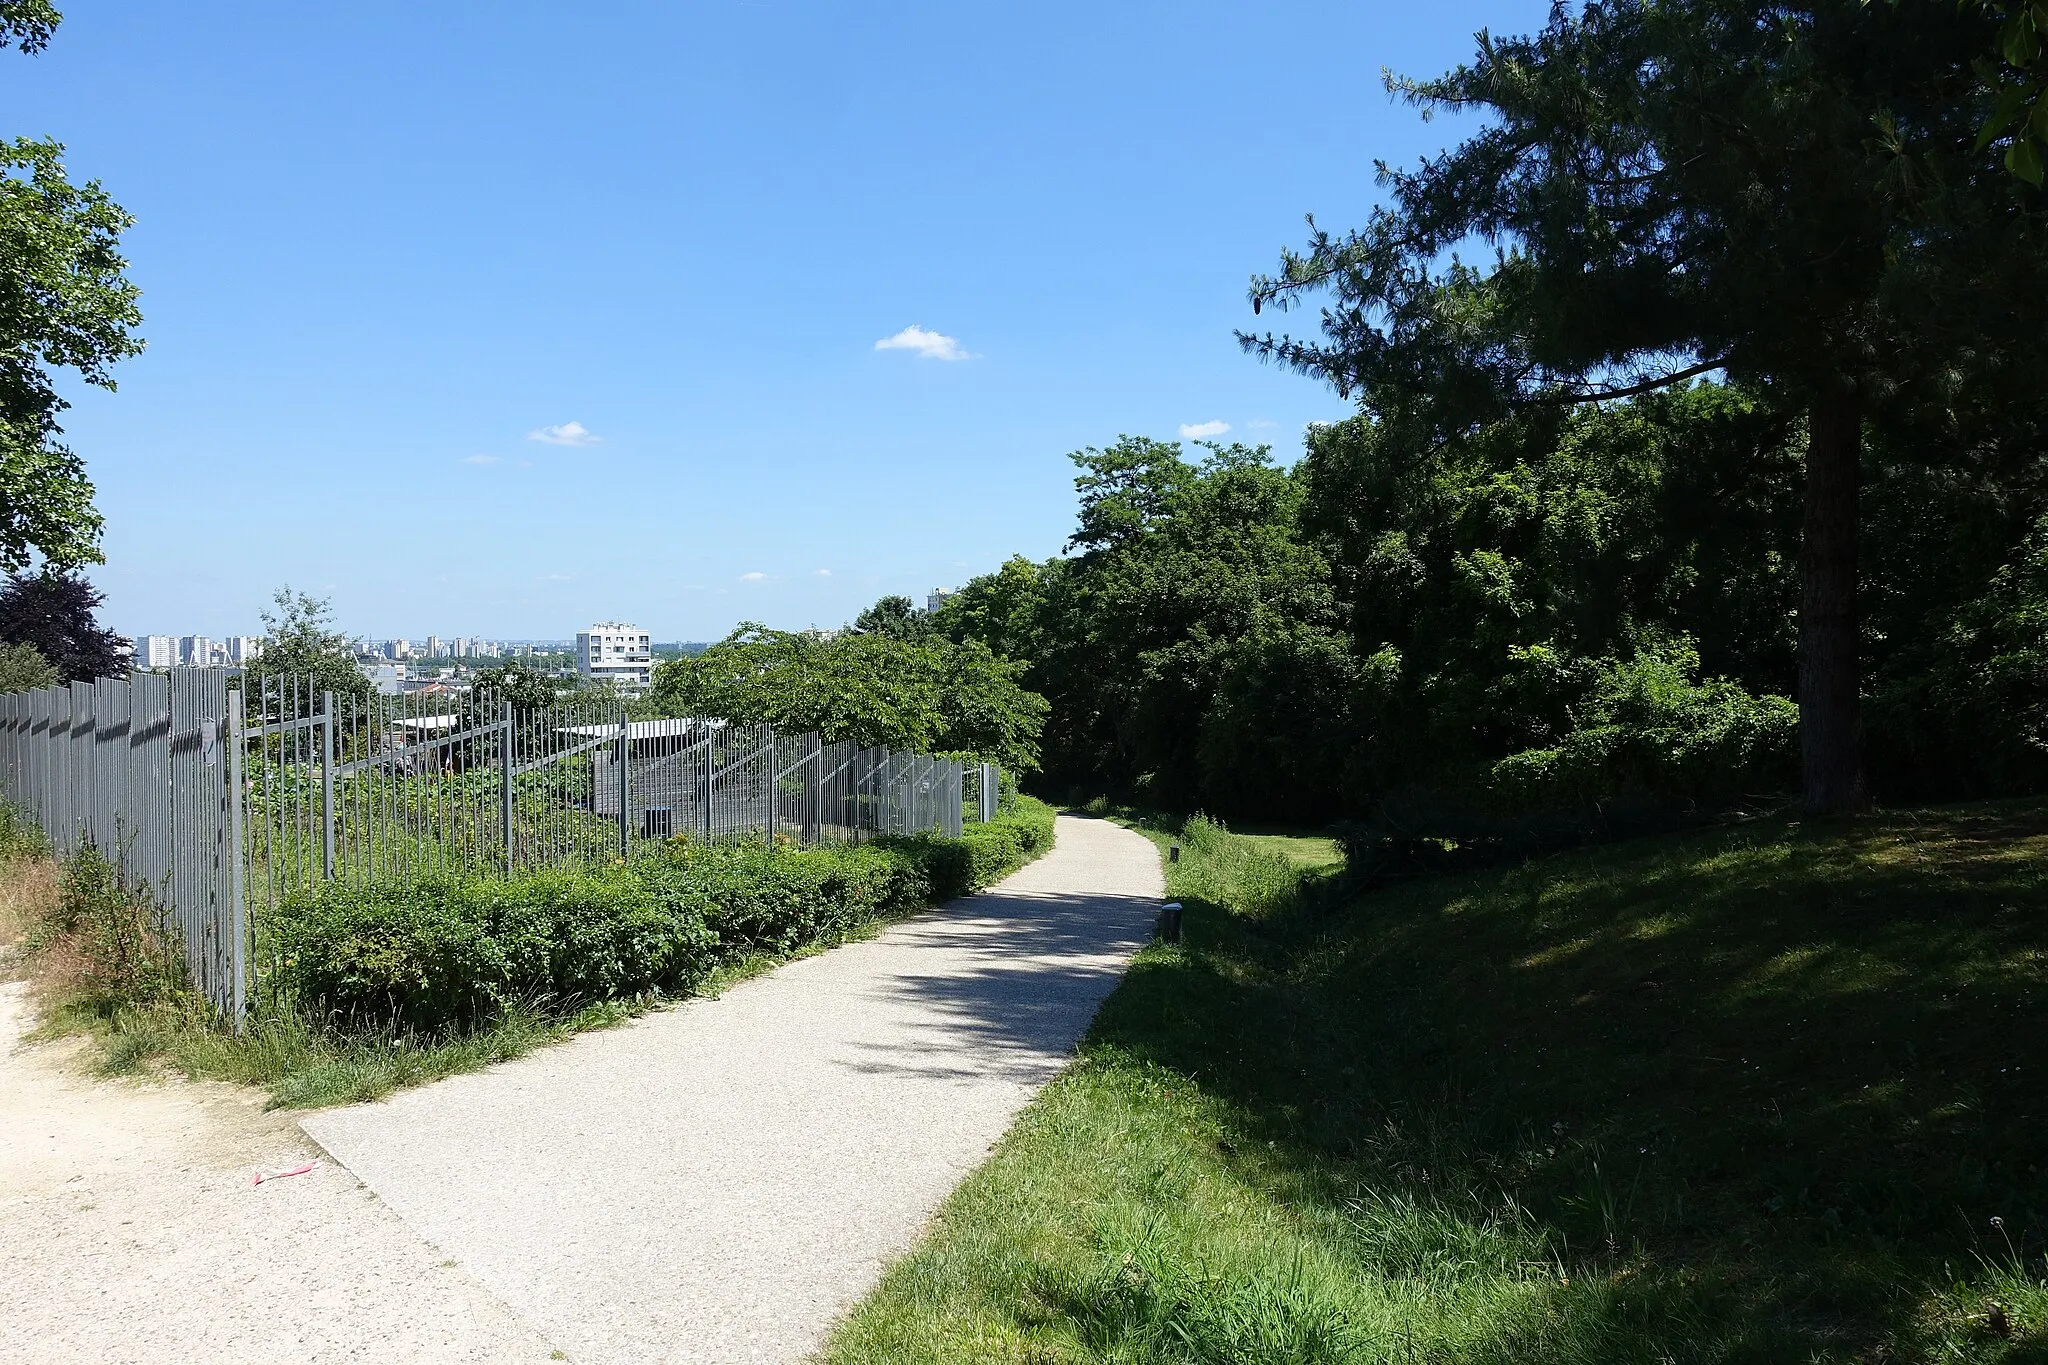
<point>720,1182</point>
<point>131,1231</point>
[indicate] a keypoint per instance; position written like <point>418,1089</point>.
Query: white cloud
<point>824,573</point>
<point>1261,424</point>
<point>479,459</point>
<point>928,345</point>
<point>567,434</point>
<point>754,577</point>
<point>1202,431</point>
<point>559,578</point>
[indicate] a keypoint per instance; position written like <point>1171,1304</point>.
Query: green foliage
<point>434,954</point>
<point>1654,183</point>
<point>927,696</point>
<point>521,684</point>
<point>443,955</point>
<point>64,304</point>
<point>896,617</point>
<point>301,645</point>
<point>1504,621</point>
<point>1659,178</point>
<point>56,611</point>
<point>2019,118</point>
<point>983,853</point>
<point>23,668</point>
<point>1648,728</point>
<point>28,24</point>
<point>127,952</point>
<point>20,836</point>
<point>1757,1094</point>
<point>1190,577</point>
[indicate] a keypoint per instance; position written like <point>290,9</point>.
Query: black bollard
<point>1169,922</point>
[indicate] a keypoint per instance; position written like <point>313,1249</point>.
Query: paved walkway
<point>720,1182</point>
<point>131,1233</point>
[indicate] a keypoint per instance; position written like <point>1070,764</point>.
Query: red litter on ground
<point>302,1170</point>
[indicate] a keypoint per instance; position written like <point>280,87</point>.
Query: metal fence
<point>223,797</point>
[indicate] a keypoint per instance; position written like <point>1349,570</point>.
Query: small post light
<point>1173,853</point>
<point>1169,922</point>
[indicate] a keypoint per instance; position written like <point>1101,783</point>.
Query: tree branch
<point>1646,386</point>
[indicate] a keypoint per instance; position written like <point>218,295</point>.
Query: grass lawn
<point>1763,1093</point>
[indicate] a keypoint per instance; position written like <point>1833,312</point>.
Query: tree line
<point>1718,476</point>
<point>1697,456</point>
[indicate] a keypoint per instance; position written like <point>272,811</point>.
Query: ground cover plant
<point>369,988</point>
<point>1759,1093</point>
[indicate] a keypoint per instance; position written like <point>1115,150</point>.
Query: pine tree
<point>1796,196</point>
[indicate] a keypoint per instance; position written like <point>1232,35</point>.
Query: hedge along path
<point>721,1181</point>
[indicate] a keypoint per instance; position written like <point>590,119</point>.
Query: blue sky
<point>384,247</point>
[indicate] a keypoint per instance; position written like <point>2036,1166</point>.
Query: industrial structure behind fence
<point>221,797</point>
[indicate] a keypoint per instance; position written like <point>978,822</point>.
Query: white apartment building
<point>156,651</point>
<point>243,649</point>
<point>195,651</point>
<point>616,652</point>
<point>386,679</point>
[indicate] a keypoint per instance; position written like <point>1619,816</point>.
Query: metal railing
<point>223,796</point>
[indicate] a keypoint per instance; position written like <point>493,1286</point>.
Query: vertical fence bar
<point>505,767</point>
<point>238,887</point>
<point>327,784</point>
<point>625,785</point>
<point>775,784</point>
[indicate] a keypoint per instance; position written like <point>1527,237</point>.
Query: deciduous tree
<point>55,612</point>
<point>64,304</point>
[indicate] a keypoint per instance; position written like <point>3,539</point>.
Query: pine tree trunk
<point>1830,724</point>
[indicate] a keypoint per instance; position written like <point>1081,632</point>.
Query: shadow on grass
<point>1751,1094</point>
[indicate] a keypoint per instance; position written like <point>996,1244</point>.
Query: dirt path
<point>720,1182</point>
<point>130,1231</point>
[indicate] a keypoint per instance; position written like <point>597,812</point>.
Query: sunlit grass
<point>1752,1094</point>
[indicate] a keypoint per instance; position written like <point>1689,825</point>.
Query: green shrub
<point>436,955</point>
<point>126,951</point>
<point>439,953</point>
<point>20,836</point>
<point>983,854</point>
<point>1650,733</point>
<point>777,900</point>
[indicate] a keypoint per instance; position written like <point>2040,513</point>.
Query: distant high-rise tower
<point>615,651</point>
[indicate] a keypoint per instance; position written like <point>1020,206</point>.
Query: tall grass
<point>1755,1094</point>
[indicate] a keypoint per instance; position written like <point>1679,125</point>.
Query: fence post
<point>814,783</point>
<point>327,781</point>
<point>505,769</point>
<point>774,785</point>
<point>625,785</point>
<point>238,887</point>
<point>710,753</point>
